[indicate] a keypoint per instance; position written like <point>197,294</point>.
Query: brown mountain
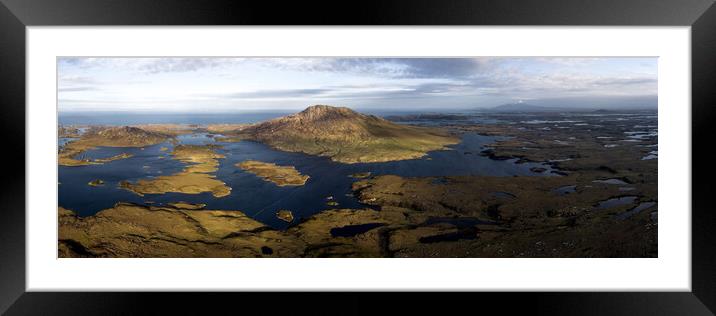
<point>347,136</point>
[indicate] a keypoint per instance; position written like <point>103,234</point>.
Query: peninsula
<point>99,136</point>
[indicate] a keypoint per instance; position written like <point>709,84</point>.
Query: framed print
<point>428,147</point>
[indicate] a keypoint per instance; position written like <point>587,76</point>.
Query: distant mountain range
<point>524,107</point>
<point>530,108</point>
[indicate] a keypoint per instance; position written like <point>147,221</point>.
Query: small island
<point>187,205</point>
<point>285,215</point>
<point>279,175</point>
<point>197,177</point>
<point>96,183</point>
<point>361,175</point>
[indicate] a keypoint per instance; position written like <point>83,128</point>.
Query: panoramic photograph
<point>369,157</point>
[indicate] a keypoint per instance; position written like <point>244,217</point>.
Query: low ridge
<point>124,136</point>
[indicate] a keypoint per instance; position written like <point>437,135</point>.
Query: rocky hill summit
<point>347,136</point>
<point>319,121</point>
<point>326,112</point>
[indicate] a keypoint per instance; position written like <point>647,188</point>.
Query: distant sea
<point>136,118</point>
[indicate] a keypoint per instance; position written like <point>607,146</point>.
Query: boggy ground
<point>279,175</point>
<point>511,217</point>
<point>413,217</point>
<point>196,178</point>
<point>128,230</point>
<point>587,146</point>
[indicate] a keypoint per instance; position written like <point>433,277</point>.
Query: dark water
<point>459,222</point>
<point>564,190</point>
<point>618,201</point>
<point>503,195</point>
<point>461,233</point>
<point>611,181</point>
<point>636,210</point>
<point>352,230</point>
<point>64,140</point>
<point>258,198</point>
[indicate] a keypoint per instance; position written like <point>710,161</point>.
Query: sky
<point>248,84</point>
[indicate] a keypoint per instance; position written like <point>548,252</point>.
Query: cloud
<point>390,67</point>
<point>77,80</point>
<point>369,91</point>
<point>378,81</point>
<point>149,65</point>
<point>164,65</point>
<point>457,68</point>
<point>75,89</point>
<point>287,93</point>
<point>624,81</point>
<point>507,86</point>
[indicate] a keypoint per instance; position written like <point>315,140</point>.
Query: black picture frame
<point>16,15</point>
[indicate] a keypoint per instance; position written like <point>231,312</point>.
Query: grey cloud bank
<point>234,84</point>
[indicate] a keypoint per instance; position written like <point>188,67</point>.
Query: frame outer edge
<point>703,235</point>
<point>12,74</point>
<point>369,12</point>
<point>12,120</point>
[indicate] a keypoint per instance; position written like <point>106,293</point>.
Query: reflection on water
<point>614,202</point>
<point>611,181</point>
<point>503,195</point>
<point>353,230</point>
<point>461,233</point>
<point>460,222</point>
<point>635,210</point>
<point>62,141</point>
<point>258,198</point>
<point>564,190</point>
